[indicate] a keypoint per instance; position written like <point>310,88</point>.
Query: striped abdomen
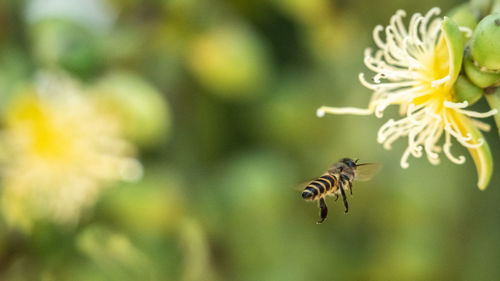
<point>320,187</point>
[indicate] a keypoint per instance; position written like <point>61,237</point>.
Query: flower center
<point>436,73</point>
<point>39,132</point>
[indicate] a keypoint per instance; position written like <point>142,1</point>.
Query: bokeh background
<point>217,101</point>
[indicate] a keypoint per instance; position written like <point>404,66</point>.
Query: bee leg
<point>346,179</point>
<point>336,197</point>
<point>343,197</point>
<point>323,210</point>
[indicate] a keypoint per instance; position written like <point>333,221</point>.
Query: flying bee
<point>337,181</point>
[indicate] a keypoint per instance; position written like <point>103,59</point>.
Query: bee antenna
<point>356,161</point>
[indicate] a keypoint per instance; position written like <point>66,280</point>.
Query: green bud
<point>466,91</point>
<point>485,44</point>
<point>464,15</point>
<point>480,78</point>
<point>482,7</point>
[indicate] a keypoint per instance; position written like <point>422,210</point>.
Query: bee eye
<point>349,162</point>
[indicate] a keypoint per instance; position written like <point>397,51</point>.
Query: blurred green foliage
<point>223,160</point>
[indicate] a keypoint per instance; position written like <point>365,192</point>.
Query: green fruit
<point>485,44</point>
<point>466,91</point>
<point>479,78</point>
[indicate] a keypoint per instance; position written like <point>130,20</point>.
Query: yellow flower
<point>58,152</point>
<point>416,69</point>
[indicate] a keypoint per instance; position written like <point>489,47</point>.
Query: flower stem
<point>492,95</point>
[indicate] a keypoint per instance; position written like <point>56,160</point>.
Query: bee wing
<point>366,171</point>
<point>303,185</point>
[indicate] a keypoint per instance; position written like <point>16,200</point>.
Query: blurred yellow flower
<point>416,69</point>
<point>58,152</point>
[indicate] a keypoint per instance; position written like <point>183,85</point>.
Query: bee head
<point>349,162</point>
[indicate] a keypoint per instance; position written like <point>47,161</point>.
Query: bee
<point>337,181</point>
